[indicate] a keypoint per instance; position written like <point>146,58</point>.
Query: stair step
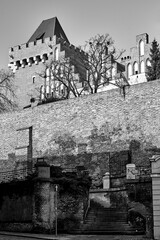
<point>102,220</point>
<point>109,232</point>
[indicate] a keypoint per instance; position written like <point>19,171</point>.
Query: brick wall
<point>96,124</point>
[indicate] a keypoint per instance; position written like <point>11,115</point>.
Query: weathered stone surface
<point>101,123</point>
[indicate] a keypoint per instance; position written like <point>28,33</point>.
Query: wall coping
<point>112,93</point>
<point>107,190</point>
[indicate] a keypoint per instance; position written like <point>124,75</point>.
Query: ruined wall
<point>84,131</point>
<point>136,57</point>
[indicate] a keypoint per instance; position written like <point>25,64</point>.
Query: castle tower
<point>26,60</point>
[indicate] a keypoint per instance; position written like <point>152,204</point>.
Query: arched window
<point>56,54</point>
<point>52,90</point>
<point>129,70</point>
<point>141,48</point>
<point>42,92</point>
<point>113,72</point>
<point>148,63</point>
<point>142,67</point>
<point>47,74</point>
<point>135,68</point>
<point>47,92</point>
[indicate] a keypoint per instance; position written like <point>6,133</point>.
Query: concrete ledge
<point>34,236</point>
<point>107,190</point>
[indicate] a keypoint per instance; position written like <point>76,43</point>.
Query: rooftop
<point>48,28</point>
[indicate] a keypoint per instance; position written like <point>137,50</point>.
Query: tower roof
<point>48,28</point>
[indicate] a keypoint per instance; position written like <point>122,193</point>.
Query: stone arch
<point>42,92</point>
<point>135,68</point>
<point>142,67</point>
<point>129,70</point>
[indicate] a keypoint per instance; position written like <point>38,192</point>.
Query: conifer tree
<point>153,71</point>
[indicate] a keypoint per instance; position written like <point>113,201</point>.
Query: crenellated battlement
<point>26,54</point>
<point>126,58</point>
<point>32,44</point>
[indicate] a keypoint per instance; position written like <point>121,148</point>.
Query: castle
<point>50,42</point>
<point>112,139</point>
<point>47,42</point>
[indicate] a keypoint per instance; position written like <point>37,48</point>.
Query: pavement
<point>74,237</point>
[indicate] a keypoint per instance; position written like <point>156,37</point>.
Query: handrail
<point>15,174</point>
<point>87,209</point>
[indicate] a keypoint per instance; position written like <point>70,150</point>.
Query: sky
<point>80,20</point>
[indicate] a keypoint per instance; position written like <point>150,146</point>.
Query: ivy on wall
<point>75,182</point>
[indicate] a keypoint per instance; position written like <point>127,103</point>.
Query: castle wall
<point>24,85</point>
<point>86,130</point>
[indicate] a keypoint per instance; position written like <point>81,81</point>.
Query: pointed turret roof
<point>48,28</point>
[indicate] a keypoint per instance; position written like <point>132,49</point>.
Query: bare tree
<point>84,72</point>
<point>61,79</point>
<point>7,93</point>
<point>102,59</point>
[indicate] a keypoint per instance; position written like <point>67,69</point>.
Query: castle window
<point>135,68</point>
<point>47,74</point>
<point>129,70</point>
<point>42,92</point>
<point>141,48</point>
<point>113,72</point>
<point>56,54</point>
<point>148,63</point>
<point>52,90</point>
<point>47,92</point>
<point>142,67</point>
<point>33,79</point>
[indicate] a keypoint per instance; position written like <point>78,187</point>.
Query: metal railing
<point>143,171</point>
<point>87,209</point>
<point>15,174</point>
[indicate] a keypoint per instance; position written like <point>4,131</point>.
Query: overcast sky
<point>80,19</point>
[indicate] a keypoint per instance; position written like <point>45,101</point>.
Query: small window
<point>33,79</point>
<point>56,54</point>
<point>47,89</point>
<point>42,92</point>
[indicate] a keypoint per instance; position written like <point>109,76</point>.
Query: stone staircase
<point>101,220</point>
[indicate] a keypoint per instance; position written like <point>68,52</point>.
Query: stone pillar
<point>43,209</point>
<point>106,181</point>
<point>155,162</point>
<point>130,171</point>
